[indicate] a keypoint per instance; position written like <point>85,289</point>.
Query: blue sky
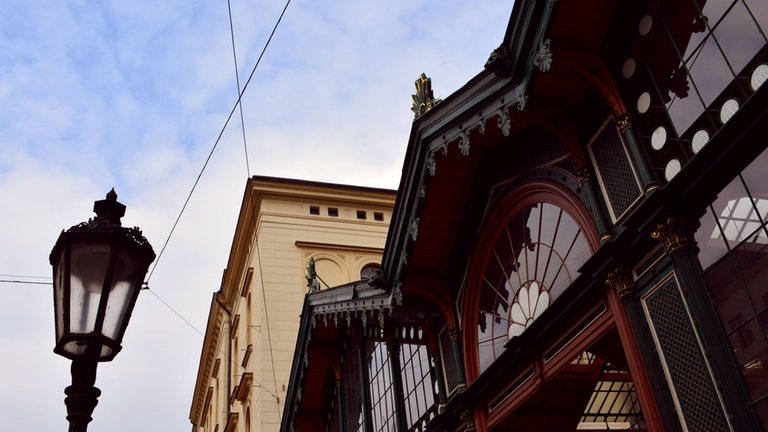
<point>132,95</point>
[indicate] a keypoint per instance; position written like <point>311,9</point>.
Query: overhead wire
<point>237,80</point>
<point>237,104</point>
<point>218,139</point>
<point>24,282</point>
<point>248,171</point>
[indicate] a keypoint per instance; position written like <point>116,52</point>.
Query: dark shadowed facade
<point>579,239</point>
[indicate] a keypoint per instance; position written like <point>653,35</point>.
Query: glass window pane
<point>752,259</point>
<point>759,10</point>
<point>761,408</point>
<point>751,351</point>
<point>739,37</point>
<point>709,239</point>
<point>729,295</point>
<point>728,208</point>
<point>757,182</point>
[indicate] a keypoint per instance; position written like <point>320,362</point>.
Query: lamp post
<point>98,270</point>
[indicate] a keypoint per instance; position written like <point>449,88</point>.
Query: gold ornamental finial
<point>424,100</point>
<point>676,233</point>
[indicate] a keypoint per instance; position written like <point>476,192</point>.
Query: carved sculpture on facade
<point>311,276</point>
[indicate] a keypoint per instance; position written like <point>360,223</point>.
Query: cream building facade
<point>254,317</point>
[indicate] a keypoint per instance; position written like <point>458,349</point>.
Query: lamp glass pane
<point>125,283</point>
<point>88,266</point>
<point>58,294</point>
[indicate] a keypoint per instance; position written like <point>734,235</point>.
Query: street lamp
<point>98,271</point>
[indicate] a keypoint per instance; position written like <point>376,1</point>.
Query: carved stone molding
<point>620,280</point>
<point>676,234</point>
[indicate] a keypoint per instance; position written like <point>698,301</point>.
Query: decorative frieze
<point>461,133</point>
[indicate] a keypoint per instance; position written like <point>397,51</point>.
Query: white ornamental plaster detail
<point>464,143</point>
<point>481,126</point>
<point>444,148</point>
<point>422,191</point>
<point>325,320</point>
<point>413,229</point>
<point>306,359</point>
<point>349,319</point>
<point>521,101</point>
<point>336,320</point>
<point>543,57</point>
<point>381,318</point>
<point>364,318</point>
<point>298,395</point>
<point>431,164</point>
<point>404,259</point>
<point>398,294</point>
<point>504,122</point>
<point>314,320</point>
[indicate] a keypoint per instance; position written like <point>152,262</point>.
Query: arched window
<point>528,255</point>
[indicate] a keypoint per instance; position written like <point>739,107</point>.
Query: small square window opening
<point>333,212</point>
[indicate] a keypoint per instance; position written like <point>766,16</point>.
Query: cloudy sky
<point>133,95</point>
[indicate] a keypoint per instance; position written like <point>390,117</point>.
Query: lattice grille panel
<point>450,367</point>
<point>612,164</point>
<point>685,361</point>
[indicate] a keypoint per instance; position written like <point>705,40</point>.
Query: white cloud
<point>132,95</point>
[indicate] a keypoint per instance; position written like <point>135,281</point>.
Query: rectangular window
<point>382,393</point>
<point>361,214</point>
<point>333,212</point>
<point>418,384</point>
<point>378,216</point>
<point>314,210</point>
